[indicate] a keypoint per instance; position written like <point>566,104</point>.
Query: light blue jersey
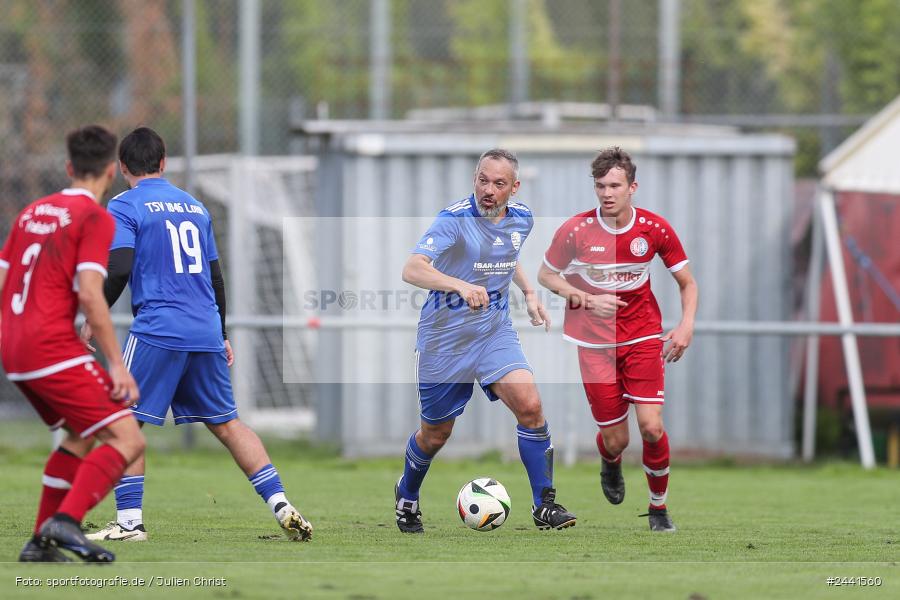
<point>465,245</point>
<point>457,347</point>
<point>172,297</point>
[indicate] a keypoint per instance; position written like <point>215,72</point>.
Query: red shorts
<point>616,377</point>
<point>77,397</point>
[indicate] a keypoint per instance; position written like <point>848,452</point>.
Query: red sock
<point>99,472</point>
<point>656,466</point>
<point>604,453</point>
<point>59,473</point>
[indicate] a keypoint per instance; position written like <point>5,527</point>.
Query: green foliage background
<point>66,62</point>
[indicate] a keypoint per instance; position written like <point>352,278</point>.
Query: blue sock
<point>414,470</point>
<point>537,456</point>
<point>129,492</point>
<point>266,482</point>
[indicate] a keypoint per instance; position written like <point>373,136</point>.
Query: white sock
<point>276,499</point>
<point>130,518</point>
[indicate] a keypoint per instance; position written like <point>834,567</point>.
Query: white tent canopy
<point>867,161</point>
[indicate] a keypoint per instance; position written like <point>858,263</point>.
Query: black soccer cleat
<point>612,482</point>
<point>62,531</point>
<point>659,520</point>
<point>33,552</point>
<point>409,517</point>
<point>550,515</point>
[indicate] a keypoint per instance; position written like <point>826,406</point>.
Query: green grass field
<point>744,532</point>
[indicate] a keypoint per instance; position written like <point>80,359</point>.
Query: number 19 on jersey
<point>185,238</point>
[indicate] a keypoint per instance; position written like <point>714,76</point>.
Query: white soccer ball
<point>483,504</point>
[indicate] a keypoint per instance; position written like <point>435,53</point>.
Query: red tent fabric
<point>872,222</point>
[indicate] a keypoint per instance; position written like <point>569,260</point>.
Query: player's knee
<point>135,441</point>
<point>615,441</point>
<point>130,446</point>
<point>525,402</point>
<point>138,445</point>
<point>616,445</point>
<point>651,432</point>
<point>125,436</point>
<point>437,439</point>
<point>531,413</point>
<point>434,439</point>
<point>223,430</point>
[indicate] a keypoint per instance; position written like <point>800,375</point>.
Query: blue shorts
<point>445,381</point>
<point>196,385</point>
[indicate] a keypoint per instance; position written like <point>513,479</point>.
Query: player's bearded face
<point>495,182</point>
<point>614,192</point>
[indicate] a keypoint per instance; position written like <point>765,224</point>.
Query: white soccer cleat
<point>294,525</point>
<point>113,532</point>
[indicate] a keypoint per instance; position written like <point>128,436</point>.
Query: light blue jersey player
<point>177,349</point>
<point>467,259</point>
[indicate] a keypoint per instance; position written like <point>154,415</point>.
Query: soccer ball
<point>483,504</point>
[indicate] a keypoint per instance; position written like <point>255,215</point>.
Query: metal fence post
<point>811,377</point>
<point>669,58</point>
<point>380,60</point>
<point>249,77</point>
<point>518,53</point>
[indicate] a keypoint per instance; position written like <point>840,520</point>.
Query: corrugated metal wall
<point>727,195</point>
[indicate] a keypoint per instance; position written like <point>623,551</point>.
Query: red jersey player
<point>54,261</point>
<point>599,261</point>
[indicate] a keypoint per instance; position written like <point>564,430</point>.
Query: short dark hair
<point>501,154</point>
<point>611,158</point>
<point>91,149</point>
<point>142,151</point>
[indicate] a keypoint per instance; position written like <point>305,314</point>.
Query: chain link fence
<point>67,62</point>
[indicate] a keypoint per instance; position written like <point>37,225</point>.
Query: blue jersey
<point>172,297</point>
<point>465,245</point>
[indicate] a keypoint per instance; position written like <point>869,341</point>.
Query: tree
<point>324,46</point>
<point>865,36</point>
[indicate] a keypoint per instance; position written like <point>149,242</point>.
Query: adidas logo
<point>498,241</point>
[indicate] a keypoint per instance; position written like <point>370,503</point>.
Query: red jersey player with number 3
<point>599,261</point>
<point>53,262</point>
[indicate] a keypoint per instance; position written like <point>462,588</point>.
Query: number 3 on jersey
<point>185,238</point>
<point>29,259</point>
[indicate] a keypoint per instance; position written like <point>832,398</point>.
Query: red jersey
<point>598,259</point>
<point>51,240</point>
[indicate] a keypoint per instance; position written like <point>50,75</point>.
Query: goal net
<point>248,199</point>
